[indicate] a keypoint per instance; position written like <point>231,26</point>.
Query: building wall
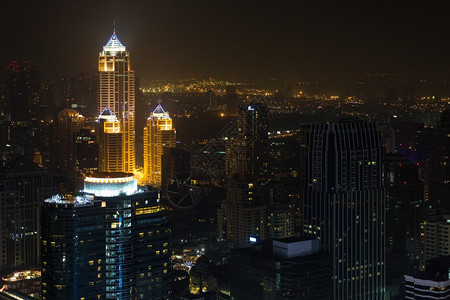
<point>21,196</point>
<point>344,205</point>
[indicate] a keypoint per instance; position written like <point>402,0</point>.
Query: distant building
<point>116,91</point>
<point>23,187</point>
<point>247,148</point>
<point>344,205</point>
<point>245,211</point>
<point>110,242</point>
<point>86,152</point>
<point>435,235</point>
<point>281,220</point>
<point>174,162</point>
<point>21,93</point>
<point>68,123</point>
<point>158,134</point>
<point>439,162</point>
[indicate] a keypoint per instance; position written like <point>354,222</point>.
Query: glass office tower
<point>108,242</point>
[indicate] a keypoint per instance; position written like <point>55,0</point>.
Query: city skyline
<point>233,38</point>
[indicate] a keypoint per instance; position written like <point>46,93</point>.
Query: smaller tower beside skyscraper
<point>110,138</point>
<point>158,134</point>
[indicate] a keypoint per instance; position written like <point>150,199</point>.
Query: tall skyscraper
<point>116,90</point>
<point>344,205</point>
<point>23,187</point>
<point>109,242</point>
<point>158,134</point>
<point>110,138</point>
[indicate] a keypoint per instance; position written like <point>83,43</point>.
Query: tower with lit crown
<point>116,90</point>
<point>158,134</point>
<point>110,138</point>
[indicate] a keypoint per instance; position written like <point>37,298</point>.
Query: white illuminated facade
<point>116,91</point>
<point>110,186</point>
<point>158,134</point>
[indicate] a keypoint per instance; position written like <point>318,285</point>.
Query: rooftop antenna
<point>114,24</point>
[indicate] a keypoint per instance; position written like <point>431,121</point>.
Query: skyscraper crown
<point>113,44</point>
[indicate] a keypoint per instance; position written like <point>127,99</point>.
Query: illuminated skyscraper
<point>116,90</point>
<point>110,137</point>
<point>109,242</point>
<point>158,134</point>
<point>345,203</point>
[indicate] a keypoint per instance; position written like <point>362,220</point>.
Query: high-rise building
<point>68,123</point>
<point>116,90</point>
<point>344,205</point>
<point>158,134</point>
<point>86,152</point>
<point>247,150</point>
<point>22,92</point>
<point>245,211</point>
<point>435,235</point>
<point>109,242</point>
<point>110,139</point>
<point>23,187</point>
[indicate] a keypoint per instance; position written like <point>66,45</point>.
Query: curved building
<point>108,242</point>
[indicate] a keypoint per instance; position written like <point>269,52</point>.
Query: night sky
<point>222,38</point>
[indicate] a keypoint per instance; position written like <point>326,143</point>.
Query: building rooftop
<point>113,44</point>
<point>20,164</point>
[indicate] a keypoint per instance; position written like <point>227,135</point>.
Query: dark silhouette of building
<point>344,205</point>
<point>174,162</point>
<point>22,91</point>
<point>68,123</point>
<point>289,268</point>
<point>247,149</point>
<point>110,242</point>
<point>405,200</point>
<point>439,162</point>
<point>86,152</point>
<point>23,187</point>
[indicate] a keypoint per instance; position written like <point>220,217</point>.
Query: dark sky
<point>254,38</point>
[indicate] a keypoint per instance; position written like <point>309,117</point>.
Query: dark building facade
<point>439,162</point>
<point>247,148</point>
<point>23,187</point>
<point>344,205</point>
<point>111,242</point>
<point>289,268</point>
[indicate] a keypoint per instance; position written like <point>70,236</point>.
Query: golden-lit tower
<point>116,90</point>
<point>110,142</point>
<point>158,134</point>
